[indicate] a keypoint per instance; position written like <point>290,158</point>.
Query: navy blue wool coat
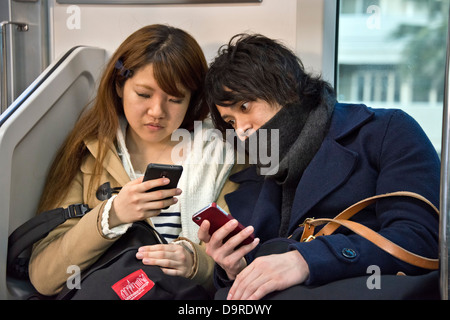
<point>366,152</point>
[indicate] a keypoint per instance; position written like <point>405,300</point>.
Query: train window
<point>392,54</point>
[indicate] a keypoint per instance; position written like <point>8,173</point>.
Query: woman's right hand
<point>134,203</point>
<point>227,254</point>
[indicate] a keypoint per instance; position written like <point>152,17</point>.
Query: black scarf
<point>302,128</point>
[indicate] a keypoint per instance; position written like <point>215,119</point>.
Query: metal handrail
<point>4,88</point>
<point>444,231</point>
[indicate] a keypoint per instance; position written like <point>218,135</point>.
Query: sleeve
<point>76,242</point>
<point>203,265</point>
<point>116,231</point>
<point>406,161</point>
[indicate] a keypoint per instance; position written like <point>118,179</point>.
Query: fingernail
<point>139,255</point>
<point>233,223</point>
<point>166,181</point>
<point>249,230</point>
<point>178,191</point>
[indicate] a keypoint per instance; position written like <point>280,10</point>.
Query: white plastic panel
<point>31,136</point>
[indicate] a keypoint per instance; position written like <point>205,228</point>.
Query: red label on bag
<point>133,286</point>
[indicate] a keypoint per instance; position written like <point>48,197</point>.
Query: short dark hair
<point>254,67</point>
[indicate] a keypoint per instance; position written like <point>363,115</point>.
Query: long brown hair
<point>177,60</point>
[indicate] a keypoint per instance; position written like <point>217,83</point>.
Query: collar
<point>112,162</point>
<point>347,118</point>
<point>122,148</point>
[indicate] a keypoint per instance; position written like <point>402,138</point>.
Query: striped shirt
<point>168,223</point>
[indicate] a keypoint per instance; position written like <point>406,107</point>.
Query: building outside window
<point>391,54</point>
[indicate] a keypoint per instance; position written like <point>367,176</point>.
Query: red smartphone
<point>217,217</point>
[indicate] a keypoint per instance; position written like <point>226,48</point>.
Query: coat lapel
<point>245,198</point>
<point>323,175</point>
<point>326,173</point>
<point>256,202</point>
<point>112,163</point>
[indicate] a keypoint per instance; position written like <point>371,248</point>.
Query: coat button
<point>349,253</point>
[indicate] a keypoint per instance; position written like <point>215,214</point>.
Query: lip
<point>154,126</point>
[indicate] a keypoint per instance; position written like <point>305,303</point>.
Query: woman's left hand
<point>173,259</point>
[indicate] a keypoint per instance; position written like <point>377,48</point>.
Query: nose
<point>243,129</point>
<point>156,107</point>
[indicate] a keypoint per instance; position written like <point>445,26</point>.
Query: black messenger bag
<point>116,275</point>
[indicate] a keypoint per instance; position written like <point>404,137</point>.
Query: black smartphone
<point>217,217</point>
<point>157,170</point>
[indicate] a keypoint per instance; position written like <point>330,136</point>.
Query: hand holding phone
<point>156,171</point>
<point>217,217</point>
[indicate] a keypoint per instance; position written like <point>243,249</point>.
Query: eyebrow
<point>148,87</point>
<point>145,86</point>
<point>225,117</point>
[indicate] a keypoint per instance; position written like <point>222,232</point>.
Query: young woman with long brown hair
<point>151,86</point>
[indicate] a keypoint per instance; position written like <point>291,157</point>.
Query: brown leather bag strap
<point>380,241</point>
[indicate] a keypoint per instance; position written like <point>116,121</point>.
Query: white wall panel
<point>107,26</point>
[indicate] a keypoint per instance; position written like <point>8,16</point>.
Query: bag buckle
<point>308,230</point>
<point>76,210</point>
<point>307,222</point>
<point>311,237</point>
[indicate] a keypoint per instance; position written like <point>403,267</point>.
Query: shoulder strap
<point>377,239</point>
<point>35,229</point>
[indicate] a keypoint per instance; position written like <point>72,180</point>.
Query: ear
<point>119,90</point>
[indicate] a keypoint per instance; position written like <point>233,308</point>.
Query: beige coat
<point>80,241</point>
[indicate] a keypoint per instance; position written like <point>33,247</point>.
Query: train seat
<point>31,130</point>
